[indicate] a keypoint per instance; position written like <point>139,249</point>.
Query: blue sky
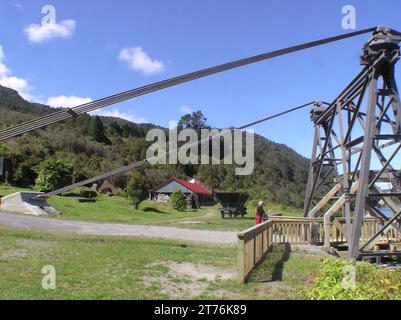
<point>104,47</point>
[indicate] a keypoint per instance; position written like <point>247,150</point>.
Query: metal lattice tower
<point>357,143</point>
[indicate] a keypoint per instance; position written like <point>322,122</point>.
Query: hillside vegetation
<point>94,145</point>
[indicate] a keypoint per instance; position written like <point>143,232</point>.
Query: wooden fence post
<point>241,260</point>
<point>327,231</point>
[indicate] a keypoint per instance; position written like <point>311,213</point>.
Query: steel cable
<point>101,103</point>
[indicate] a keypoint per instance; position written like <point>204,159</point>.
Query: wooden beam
<point>334,208</point>
<point>320,205</point>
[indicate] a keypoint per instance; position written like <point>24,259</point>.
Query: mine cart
<point>232,203</point>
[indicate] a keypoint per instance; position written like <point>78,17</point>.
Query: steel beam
<point>359,210</point>
<point>375,117</point>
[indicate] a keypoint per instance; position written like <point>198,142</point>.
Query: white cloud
<point>7,80</point>
<point>66,101</point>
<point>18,6</point>
<point>3,69</point>
<point>2,55</point>
<point>47,31</point>
<point>15,83</point>
<point>139,60</point>
<point>186,109</point>
<point>117,114</point>
<point>22,86</point>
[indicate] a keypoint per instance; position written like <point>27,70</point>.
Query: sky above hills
<point>98,48</point>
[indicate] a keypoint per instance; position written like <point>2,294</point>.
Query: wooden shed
<point>196,191</point>
<point>108,188</point>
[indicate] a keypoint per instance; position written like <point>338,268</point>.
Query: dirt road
<point>112,229</point>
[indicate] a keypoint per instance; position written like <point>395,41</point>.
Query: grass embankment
<point>93,267</point>
<point>120,210</point>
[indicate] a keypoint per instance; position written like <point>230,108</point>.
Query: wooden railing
<point>297,230</point>
<point>371,226</point>
<point>254,243</point>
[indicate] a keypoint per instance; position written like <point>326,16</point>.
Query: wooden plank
<point>253,243</point>
<point>252,232</point>
<point>241,262</point>
<point>322,203</point>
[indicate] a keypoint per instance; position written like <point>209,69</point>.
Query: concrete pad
<point>25,202</point>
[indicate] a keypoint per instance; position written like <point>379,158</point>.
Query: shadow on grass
<point>71,195</point>
<point>238,218</point>
<point>155,210</point>
<point>271,268</point>
<point>277,274</point>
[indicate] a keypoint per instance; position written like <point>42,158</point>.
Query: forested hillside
<point>94,145</point>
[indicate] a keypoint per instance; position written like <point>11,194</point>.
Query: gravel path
<point>112,229</point>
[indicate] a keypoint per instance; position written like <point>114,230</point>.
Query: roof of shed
<point>190,186</point>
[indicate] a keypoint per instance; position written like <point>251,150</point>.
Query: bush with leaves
<point>178,200</point>
<point>25,174</point>
<point>52,175</point>
<point>137,188</point>
<point>372,283</point>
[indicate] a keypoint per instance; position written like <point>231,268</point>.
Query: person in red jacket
<point>260,213</point>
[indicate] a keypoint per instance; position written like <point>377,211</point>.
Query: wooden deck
<point>254,243</point>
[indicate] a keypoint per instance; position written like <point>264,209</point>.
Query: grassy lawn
<point>93,267</point>
<point>120,210</point>
<point>6,190</point>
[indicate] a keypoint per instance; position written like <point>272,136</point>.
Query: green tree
<point>53,174</point>
<point>116,128</point>
<point>137,188</point>
<point>178,200</point>
<point>11,153</point>
<point>96,130</point>
<point>5,151</point>
<point>195,120</point>
<point>25,174</point>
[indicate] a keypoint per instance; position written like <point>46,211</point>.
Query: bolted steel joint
<point>383,40</point>
<point>317,110</point>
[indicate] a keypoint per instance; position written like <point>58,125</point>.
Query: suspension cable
<point>275,115</point>
<point>101,103</point>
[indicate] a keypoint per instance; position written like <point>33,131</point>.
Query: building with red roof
<point>197,192</point>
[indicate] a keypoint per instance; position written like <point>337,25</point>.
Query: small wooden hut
<point>108,188</point>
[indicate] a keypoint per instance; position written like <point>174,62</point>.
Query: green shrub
<point>137,188</point>
<point>25,174</point>
<point>178,200</point>
<point>372,283</point>
<point>53,174</point>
